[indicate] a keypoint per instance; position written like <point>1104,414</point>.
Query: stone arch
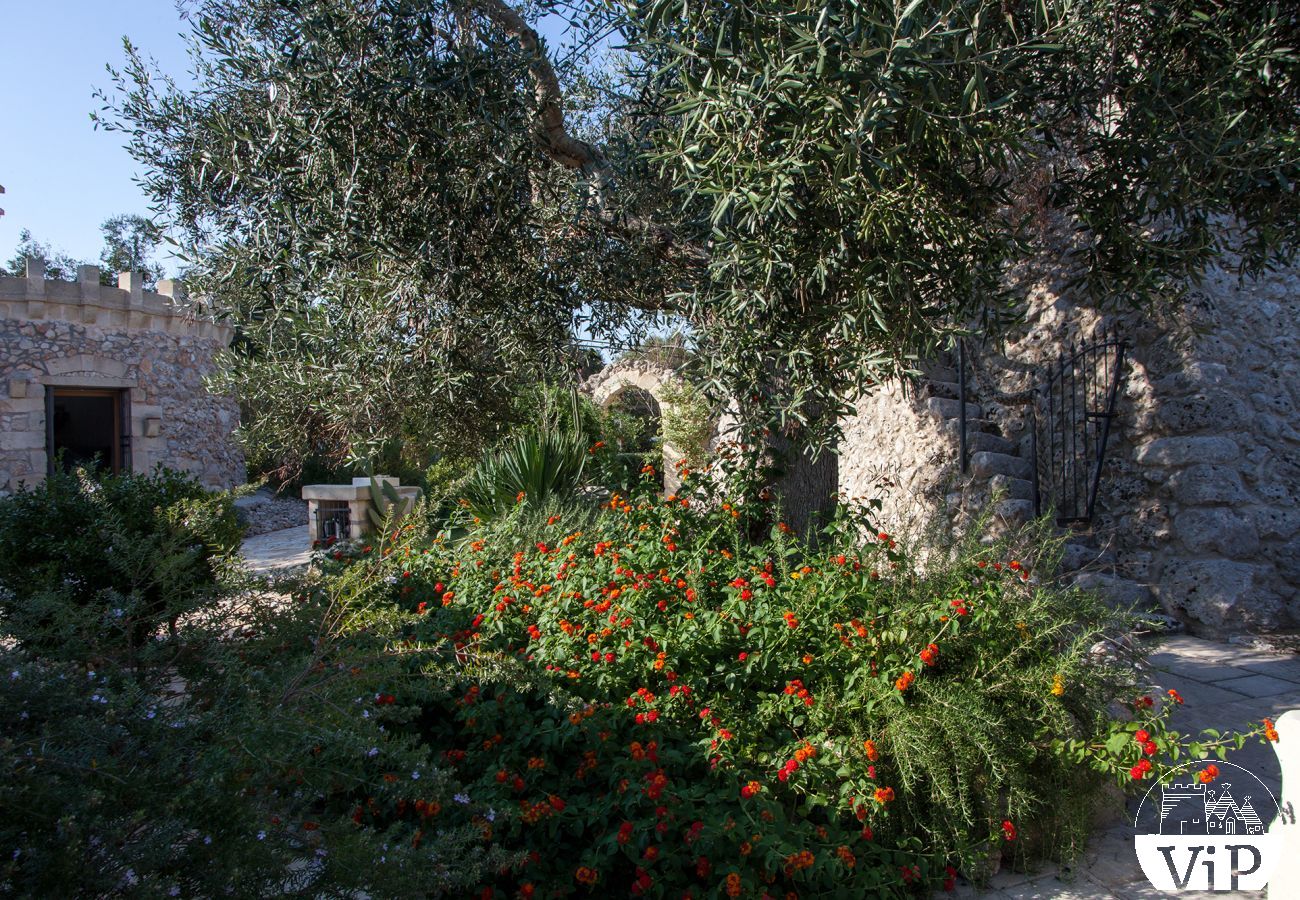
<point>614,381</point>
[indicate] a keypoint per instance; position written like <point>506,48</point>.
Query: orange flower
<point>904,681</point>
<point>883,795</point>
<point>733,885</point>
<point>1210,773</point>
<point>872,753</point>
<point>1270,733</point>
<point>586,876</point>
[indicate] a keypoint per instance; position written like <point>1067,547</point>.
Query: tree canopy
<point>821,191</point>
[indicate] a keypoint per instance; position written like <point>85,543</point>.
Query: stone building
<point>110,373</point>
<point>1197,509</point>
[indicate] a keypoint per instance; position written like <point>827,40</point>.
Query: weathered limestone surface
<point>149,344</point>
<point>1199,505</point>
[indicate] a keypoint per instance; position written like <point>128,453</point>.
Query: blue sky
<point>61,176</point>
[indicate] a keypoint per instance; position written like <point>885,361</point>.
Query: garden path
<point>1225,687</point>
<point>283,549</point>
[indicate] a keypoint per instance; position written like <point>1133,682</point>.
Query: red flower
<point>1210,773</point>
<point>625,832</point>
<point>930,655</point>
<point>750,789</point>
<point>1008,830</point>
<point>1140,771</point>
<point>1141,736</point>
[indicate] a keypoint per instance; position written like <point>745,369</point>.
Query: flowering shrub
<point>706,714</point>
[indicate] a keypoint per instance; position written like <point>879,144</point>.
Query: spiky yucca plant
<point>533,466</point>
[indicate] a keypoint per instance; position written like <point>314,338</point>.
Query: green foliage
<point>670,706</point>
<point>535,465</point>
<point>236,758</point>
<point>821,193</point>
<point>398,257</point>
<point>92,564</point>
<point>864,172</point>
<point>129,244</point>
<point>688,420</point>
<point>58,265</point>
<point>387,506</point>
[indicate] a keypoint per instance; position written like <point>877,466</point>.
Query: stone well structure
<point>116,373</point>
<point>1198,507</point>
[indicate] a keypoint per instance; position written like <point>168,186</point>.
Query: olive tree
<point>822,190</point>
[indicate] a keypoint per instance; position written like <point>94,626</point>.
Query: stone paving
<point>1225,687</point>
<point>277,550</point>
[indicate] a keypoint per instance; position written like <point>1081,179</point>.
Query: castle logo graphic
<point>1206,829</point>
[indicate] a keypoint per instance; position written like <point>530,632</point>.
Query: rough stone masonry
<point>1198,510</point>
<point>147,350</point>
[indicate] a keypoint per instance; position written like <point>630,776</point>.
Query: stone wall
<point>1198,508</point>
<point>150,345</point>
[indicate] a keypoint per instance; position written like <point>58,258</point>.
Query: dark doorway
<point>87,426</point>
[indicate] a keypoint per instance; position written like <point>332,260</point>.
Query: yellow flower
<point>1058,685</point>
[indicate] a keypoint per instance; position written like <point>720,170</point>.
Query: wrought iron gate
<point>1073,412</point>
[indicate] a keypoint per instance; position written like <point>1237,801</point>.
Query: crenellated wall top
<point>86,301</point>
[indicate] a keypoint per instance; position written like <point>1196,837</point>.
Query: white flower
<point>461,798</point>
<point>261,835</point>
<point>372,752</point>
<point>14,676</point>
<point>491,815</point>
<point>415,776</point>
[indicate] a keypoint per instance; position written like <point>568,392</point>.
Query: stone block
<point>1276,522</point>
<point>1220,593</point>
<point>1258,686</point>
<point>23,440</point>
<point>1014,512</point>
<point>945,408</point>
<point>1182,451</point>
<point>1219,530</point>
<point>985,465</point>
<point>1213,409</point>
<point>1274,402</point>
<point>1207,484</point>
<point>1012,488</point>
<point>1117,591</point>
